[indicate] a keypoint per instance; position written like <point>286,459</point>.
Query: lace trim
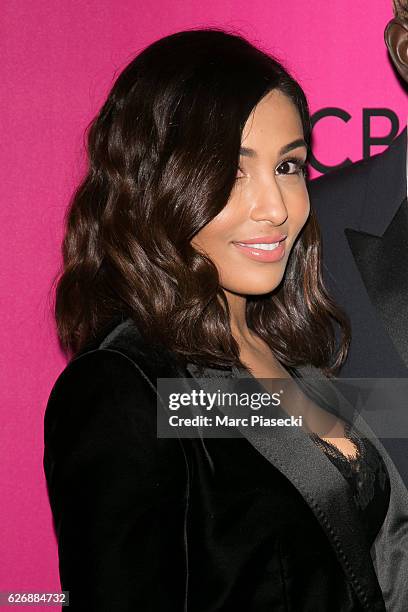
<point>334,451</point>
<point>361,471</point>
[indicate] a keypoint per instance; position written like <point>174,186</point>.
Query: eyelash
<point>301,167</point>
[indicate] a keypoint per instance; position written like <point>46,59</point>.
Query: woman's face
<point>268,205</point>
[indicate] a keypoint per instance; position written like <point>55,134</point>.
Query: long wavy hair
<point>163,155</point>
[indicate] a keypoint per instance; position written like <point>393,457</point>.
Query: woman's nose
<point>269,206</point>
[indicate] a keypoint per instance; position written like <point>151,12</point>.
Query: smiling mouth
<point>266,252</point>
<point>265,246</point>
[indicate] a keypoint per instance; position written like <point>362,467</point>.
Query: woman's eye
<point>240,173</point>
<point>292,166</point>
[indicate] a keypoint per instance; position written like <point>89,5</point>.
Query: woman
<point>191,250</point>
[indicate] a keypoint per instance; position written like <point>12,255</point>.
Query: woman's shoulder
<point>100,389</point>
<point>124,338</point>
<point>115,376</point>
<point>96,370</point>
<point>100,430</point>
<point>118,355</point>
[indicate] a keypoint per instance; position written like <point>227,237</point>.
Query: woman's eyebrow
<point>299,142</point>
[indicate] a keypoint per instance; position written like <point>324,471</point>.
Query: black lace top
<point>368,477</point>
<point>366,474</point>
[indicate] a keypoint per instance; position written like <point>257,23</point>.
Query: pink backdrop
<point>58,62</point>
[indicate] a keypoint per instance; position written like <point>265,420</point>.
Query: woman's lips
<point>269,253</point>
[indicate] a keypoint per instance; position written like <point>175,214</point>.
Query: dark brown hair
<point>401,9</point>
<point>163,155</point>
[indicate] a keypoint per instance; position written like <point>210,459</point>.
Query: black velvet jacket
<point>200,525</point>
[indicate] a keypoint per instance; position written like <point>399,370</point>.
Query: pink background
<point>58,62</point>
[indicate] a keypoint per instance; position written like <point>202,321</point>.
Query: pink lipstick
<point>263,248</point>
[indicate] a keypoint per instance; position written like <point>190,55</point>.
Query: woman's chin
<point>259,287</point>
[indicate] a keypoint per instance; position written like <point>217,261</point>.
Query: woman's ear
<point>396,39</point>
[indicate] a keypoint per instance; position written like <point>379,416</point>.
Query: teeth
<point>264,246</point>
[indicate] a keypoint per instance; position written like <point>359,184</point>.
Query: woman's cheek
<point>302,209</point>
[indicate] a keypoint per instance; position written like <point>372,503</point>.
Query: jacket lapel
<point>323,488</point>
<point>390,548</point>
<point>379,245</point>
<point>383,264</point>
<point>386,188</point>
